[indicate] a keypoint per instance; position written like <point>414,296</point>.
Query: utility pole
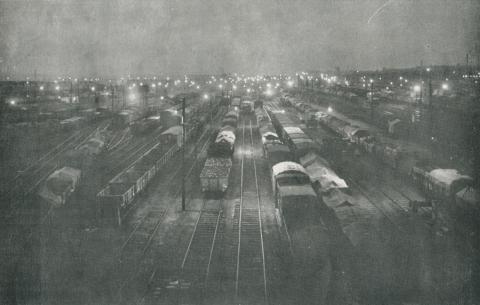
<point>210,110</point>
<point>124,105</point>
<point>371,101</point>
<point>71,91</point>
<point>112,91</point>
<point>421,93</point>
<point>78,90</point>
<point>183,154</point>
<point>475,145</point>
<point>467,64</point>
<point>430,117</point>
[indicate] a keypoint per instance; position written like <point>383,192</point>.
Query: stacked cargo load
<point>215,174</point>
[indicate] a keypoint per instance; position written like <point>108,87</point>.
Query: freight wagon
<point>215,174</point>
<point>287,175</point>
<point>276,153</point>
<point>60,185</point>
<point>115,199</point>
<point>172,136</point>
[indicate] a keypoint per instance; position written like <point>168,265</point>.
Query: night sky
<point>117,37</point>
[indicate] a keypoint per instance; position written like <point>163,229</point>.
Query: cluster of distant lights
<point>250,84</point>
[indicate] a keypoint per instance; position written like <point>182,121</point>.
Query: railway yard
<point>277,201</point>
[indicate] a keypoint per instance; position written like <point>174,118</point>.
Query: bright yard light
<point>445,86</point>
<point>417,88</point>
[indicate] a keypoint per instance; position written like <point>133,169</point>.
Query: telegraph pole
<point>124,98</point>
<point>371,101</point>
<point>112,91</point>
<point>183,154</point>
<point>430,110</point>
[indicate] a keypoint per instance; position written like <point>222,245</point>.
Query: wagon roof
<point>231,113</point>
<point>325,176</point>
<point>225,138</point>
<point>174,130</point>
<point>292,129</point>
<point>269,134</point>
<point>302,140</point>
<point>287,166</point>
<point>276,147</point>
<point>63,178</point>
<point>311,158</point>
<point>447,176</point>
<point>297,190</point>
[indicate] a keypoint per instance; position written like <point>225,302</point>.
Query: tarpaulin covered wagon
<point>60,185</point>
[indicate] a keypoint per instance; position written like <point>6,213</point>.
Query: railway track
<point>193,254</point>
<point>198,257</point>
<point>138,241</point>
<point>132,257</point>
<point>387,211</point>
<point>386,199</point>
<point>31,177</point>
<point>250,268</point>
<point>119,138</point>
<point>35,174</point>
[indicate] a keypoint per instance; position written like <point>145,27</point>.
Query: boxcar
<point>288,174</point>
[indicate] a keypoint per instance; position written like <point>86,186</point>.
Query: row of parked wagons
<point>301,148</point>
<point>117,196</point>
<point>216,171</point>
<point>446,186</point>
<point>438,183</point>
<point>300,209</point>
